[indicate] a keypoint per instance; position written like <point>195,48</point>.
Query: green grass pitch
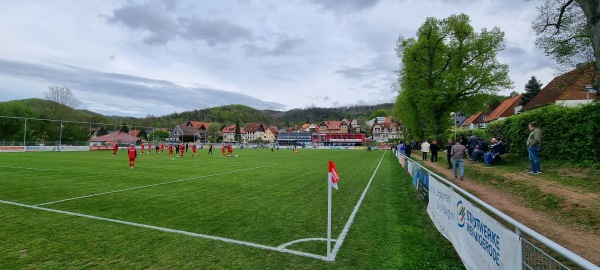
<point>89,210</point>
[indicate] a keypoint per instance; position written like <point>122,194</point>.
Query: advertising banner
<point>480,241</point>
<point>57,148</point>
<point>11,148</point>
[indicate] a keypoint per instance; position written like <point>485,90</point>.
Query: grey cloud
<point>140,89</point>
<point>154,18</point>
<point>285,46</point>
<point>148,18</point>
<point>355,73</point>
<point>214,32</point>
<point>344,6</point>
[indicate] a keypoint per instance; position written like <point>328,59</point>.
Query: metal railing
<point>533,257</point>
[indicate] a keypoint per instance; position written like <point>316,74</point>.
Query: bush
<point>568,134</point>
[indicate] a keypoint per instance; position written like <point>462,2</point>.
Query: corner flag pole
<point>328,214</point>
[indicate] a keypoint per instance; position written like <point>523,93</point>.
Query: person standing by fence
<point>459,152</point>
<point>534,145</point>
<point>115,149</point>
<point>448,152</point>
<point>425,149</point>
<point>434,151</point>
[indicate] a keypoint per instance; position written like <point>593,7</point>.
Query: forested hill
<point>225,115</point>
<point>316,114</point>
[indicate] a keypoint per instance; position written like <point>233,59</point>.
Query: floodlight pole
<point>60,136</point>
<point>25,136</point>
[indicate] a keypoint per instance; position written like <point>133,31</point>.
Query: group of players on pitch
<point>179,150</point>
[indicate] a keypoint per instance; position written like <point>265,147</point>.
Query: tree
<point>63,101</point>
<point>532,87</point>
<point>569,31</point>
<point>443,69</point>
<point>124,128</point>
<point>379,113</point>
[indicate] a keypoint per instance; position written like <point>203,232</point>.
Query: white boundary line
<point>199,235</point>
<point>153,185</point>
<point>302,240</point>
<point>281,248</point>
<point>340,239</point>
<point>24,168</point>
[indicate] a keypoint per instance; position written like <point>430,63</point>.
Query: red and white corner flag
<point>333,175</point>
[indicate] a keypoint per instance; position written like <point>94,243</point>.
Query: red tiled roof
<point>254,127</point>
<point>506,108</point>
<point>135,132</point>
<point>197,125</point>
<point>112,137</point>
<point>229,129</point>
<point>471,119</point>
<point>568,86</point>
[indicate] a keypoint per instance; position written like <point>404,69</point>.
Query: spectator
<point>471,144</point>
<point>459,152</point>
<point>496,149</point>
<point>434,151</point>
<point>448,150</point>
<point>534,145</point>
<point>425,149</point>
<point>408,149</point>
<point>480,150</point>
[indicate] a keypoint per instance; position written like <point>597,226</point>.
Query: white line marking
<point>205,236</point>
<point>340,239</point>
<point>24,168</point>
<point>302,240</point>
<point>153,185</point>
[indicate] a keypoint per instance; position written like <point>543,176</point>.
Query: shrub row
<point>568,134</point>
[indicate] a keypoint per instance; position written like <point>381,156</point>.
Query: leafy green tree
<point>443,69</point>
<point>101,132</point>
<point>158,135</point>
<point>124,128</point>
<point>532,88</point>
<point>143,134</point>
<point>569,31</point>
<point>379,113</point>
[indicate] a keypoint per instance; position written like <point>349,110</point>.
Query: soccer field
<point>260,209</point>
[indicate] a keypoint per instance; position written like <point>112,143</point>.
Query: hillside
<point>228,114</point>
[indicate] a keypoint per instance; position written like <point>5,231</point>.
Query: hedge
<point>568,134</point>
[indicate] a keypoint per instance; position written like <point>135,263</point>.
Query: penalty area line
<point>340,239</point>
<point>154,185</point>
<point>168,230</point>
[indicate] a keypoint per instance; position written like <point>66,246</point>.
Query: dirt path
<point>580,242</point>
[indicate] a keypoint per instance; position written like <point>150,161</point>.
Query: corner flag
<point>333,175</point>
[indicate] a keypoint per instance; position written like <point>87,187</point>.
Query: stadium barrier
<point>11,148</point>
<point>481,241</point>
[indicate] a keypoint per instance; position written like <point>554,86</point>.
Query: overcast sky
<point>135,58</point>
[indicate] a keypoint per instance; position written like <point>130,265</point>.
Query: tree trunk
<point>591,9</point>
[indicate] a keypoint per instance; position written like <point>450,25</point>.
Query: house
<point>270,135</point>
<point>118,137</point>
<point>228,133</point>
<point>184,133</point>
<point>334,127</point>
<point>384,131</point>
<point>506,109</point>
<point>253,132</point>
<point>476,120</point>
<point>379,119</point>
<point>568,89</point>
<point>200,127</point>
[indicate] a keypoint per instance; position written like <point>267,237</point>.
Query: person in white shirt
<point>425,149</point>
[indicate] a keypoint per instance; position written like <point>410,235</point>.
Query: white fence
<point>481,241</point>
